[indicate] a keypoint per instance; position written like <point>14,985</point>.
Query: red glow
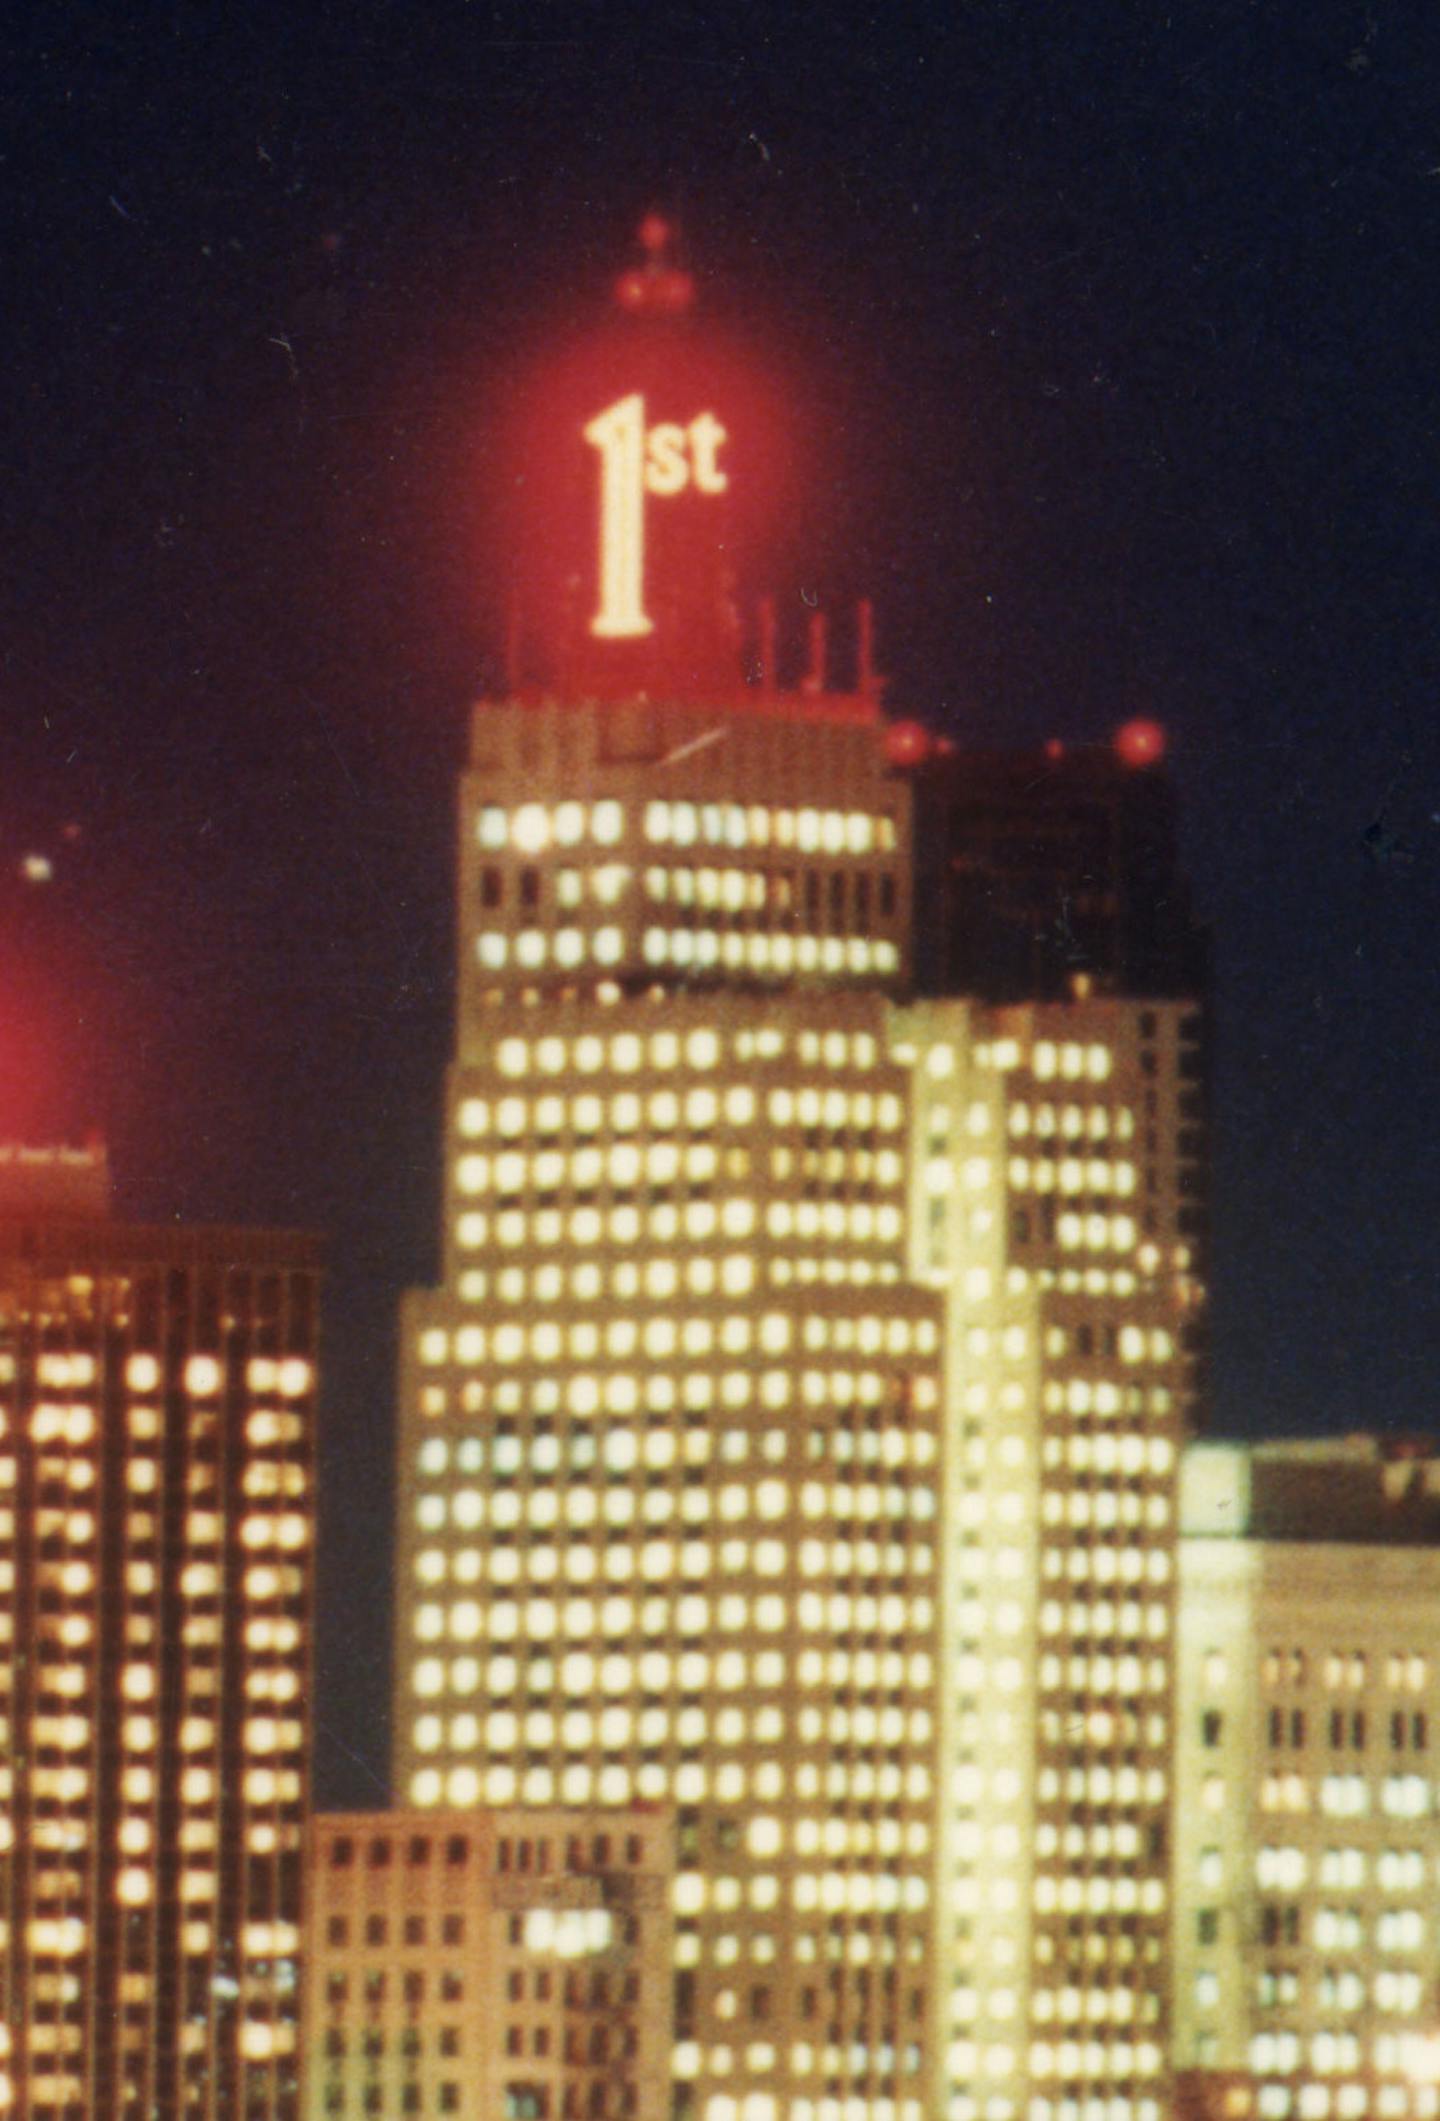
<point>712,456</point>
<point>655,232</point>
<point>1054,749</point>
<point>1140,743</point>
<point>908,743</point>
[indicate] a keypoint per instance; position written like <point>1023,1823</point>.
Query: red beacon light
<point>908,743</point>
<point>657,285</point>
<point>1140,743</point>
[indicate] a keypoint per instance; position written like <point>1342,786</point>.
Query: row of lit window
<point>628,1053</point>
<point>1346,1669</point>
<point>627,1280</point>
<point>763,2106</point>
<point>1069,2006</point>
<point>660,1447</point>
<point>531,828</point>
<point>623,1167</point>
<point>663,1111</point>
<point>1122,2060</point>
<point>732,1504</point>
<point>1416,2056</point>
<point>1396,1870</point>
<point>1071,1122</point>
<point>776,953</point>
<point>698,1222</point>
<point>661,1338</point>
<point>1338,1796</point>
<point>695,1558</point>
<point>1068,1176</point>
<point>613,1729</point>
<point>578,1784</point>
<point>737,890</point>
<point>581,1674</point>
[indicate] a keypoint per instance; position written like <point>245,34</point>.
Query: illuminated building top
<point>646,458</point>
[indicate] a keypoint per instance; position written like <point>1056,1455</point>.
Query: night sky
<point>1114,331</point>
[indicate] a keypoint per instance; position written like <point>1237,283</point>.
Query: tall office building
<point>1308,1849</point>
<point>157,1398</point>
<point>792,1438</point>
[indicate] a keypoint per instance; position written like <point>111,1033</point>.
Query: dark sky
<point>1117,325</point>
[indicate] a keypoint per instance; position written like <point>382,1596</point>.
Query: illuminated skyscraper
<point>157,1399</point>
<point>792,1438</point>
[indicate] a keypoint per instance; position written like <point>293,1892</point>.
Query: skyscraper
<point>793,1436</point>
<point>157,1398</point>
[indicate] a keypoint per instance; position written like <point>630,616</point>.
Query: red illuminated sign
<point>635,460</point>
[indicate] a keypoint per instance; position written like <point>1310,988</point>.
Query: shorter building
<point>502,1965</point>
<point>1307,1941</point>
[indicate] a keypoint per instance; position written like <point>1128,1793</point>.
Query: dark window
<point>452,1929</point>
<point>1207,1925</point>
<point>419,1848</point>
<point>414,1929</point>
<point>375,1929</point>
<point>337,1930</point>
<point>342,1852</point>
<point>379,1855</point>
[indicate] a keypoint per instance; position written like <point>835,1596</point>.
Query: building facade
<point>515,1964</point>
<point>793,1437</point>
<point>1308,1857</point>
<point>157,1397</point>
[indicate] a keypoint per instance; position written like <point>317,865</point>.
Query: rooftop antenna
<point>867,684</point>
<point>767,645</point>
<point>815,673</point>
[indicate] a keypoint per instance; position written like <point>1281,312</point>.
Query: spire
<point>657,286</point>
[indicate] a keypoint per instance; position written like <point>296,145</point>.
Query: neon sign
<point>635,460</point>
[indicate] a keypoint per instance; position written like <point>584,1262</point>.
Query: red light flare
<point>1140,743</point>
<point>908,743</point>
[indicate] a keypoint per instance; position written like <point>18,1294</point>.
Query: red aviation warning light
<point>657,284</point>
<point>1140,743</point>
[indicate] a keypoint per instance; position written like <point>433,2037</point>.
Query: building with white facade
<point>1307,1963</point>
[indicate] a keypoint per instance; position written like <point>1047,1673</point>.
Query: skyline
<point>247,525</point>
